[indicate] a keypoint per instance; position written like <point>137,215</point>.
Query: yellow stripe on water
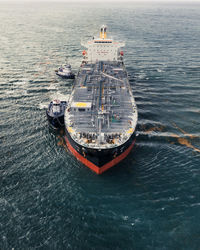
<point>184,132</point>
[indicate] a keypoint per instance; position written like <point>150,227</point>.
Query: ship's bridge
<point>102,48</point>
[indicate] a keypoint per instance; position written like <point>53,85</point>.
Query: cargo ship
<point>101,116</point>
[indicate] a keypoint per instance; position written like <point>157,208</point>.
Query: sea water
<point>48,200</point>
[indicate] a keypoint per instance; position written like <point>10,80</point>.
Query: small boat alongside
<point>55,113</point>
<point>65,72</point>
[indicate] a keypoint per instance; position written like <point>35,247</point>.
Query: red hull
<point>92,166</point>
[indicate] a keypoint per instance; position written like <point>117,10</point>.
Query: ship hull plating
<point>56,121</point>
<point>101,117</point>
<point>99,160</point>
<point>71,76</point>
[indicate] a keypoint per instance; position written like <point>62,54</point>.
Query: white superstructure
<point>102,48</point>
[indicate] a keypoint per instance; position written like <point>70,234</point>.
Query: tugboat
<point>101,115</point>
<point>65,72</point>
<point>55,113</point>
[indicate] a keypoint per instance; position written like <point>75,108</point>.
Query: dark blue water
<point>151,200</point>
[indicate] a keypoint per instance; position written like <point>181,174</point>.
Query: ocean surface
<point>151,200</point>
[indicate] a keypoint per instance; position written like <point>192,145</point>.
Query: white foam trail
<point>59,96</point>
<point>43,105</point>
<point>52,87</point>
<point>141,76</point>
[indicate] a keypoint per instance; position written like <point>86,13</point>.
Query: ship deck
<point>101,112</point>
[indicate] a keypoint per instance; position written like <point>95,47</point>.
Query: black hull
<point>100,160</point>
<point>56,122</point>
<point>72,76</point>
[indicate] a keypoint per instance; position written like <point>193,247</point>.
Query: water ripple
<point>50,200</point>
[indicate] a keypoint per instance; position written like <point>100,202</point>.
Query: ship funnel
<point>103,31</point>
